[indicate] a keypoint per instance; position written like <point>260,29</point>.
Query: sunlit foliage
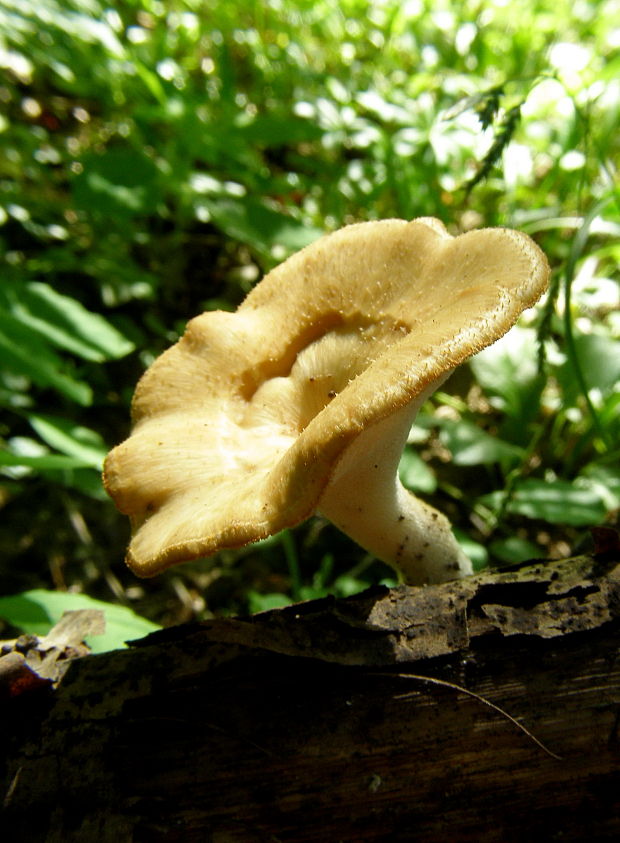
<point>157,157</point>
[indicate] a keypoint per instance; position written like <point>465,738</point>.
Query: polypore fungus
<point>302,400</point>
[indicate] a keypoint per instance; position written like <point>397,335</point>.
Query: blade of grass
<point>577,247</point>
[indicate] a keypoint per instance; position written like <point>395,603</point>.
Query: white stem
<point>366,500</point>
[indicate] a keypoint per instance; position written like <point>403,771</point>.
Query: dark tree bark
<point>312,723</point>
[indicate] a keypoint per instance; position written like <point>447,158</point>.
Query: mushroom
<point>302,400</point>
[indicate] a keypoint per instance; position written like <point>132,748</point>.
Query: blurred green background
<point>156,158</point>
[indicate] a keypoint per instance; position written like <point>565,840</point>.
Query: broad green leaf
<point>15,398</point>
<point>87,481</point>
<point>75,23</point>
<point>258,602</point>
<point>599,358</point>
<point>348,584</point>
<point>252,222</point>
<point>45,461</point>
<point>470,445</point>
<point>474,550</point>
<point>279,130</point>
<point>606,480</point>
<point>24,353</point>
<point>514,549</point>
<point>21,454</point>
<point>609,414</point>
<point>415,474</point>
<point>508,372</point>
<point>37,611</point>
<point>117,184</point>
<point>556,501</point>
<point>90,29</point>
<point>64,322</point>
<point>64,435</point>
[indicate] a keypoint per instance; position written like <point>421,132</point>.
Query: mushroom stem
<point>366,500</point>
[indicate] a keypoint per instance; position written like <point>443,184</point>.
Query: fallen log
<point>486,709</point>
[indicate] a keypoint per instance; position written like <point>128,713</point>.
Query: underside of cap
<point>239,427</point>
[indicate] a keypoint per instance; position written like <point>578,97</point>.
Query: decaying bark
<point>312,723</point>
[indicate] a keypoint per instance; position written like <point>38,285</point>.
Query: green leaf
<point>86,480</point>
<point>599,357</point>
<point>45,461</point>
<point>264,602</point>
<point>470,445</point>
<point>415,474</point>
<point>119,183</point>
<point>64,322</point>
<point>474,550</point>
<point>64,435</point>
<point>279,130</point>
<point>347,585</point>
<point>514,549</point>
<point>22,453</point>
<point>24,353</point>
<point>555,501</point>
<point>609,414</point>
<point>254,223</point>
<point>508,372</point>
<point>606,480</point>
<point>37,611</point>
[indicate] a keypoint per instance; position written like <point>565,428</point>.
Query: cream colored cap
<point>239,427</point>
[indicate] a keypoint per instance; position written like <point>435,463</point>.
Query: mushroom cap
<point>239,427</point>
